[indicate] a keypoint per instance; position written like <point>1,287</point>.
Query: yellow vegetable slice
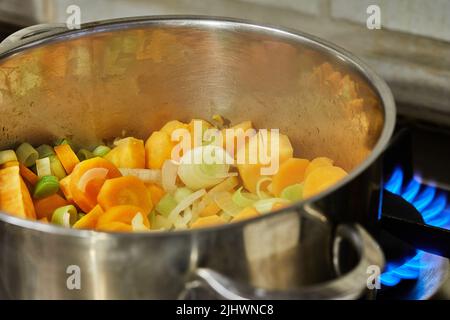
<point>322,178</point>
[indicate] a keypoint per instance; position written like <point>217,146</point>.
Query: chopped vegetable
<point>166,204</point>
<point>173,125</point>
<point>156,192</point>
<point>10,164</point>
<point>14,196</point>
<point>293,192</point>
<point>84,154</point>
<point>26,154</point>
<point>120,214</point>
<point>244,199</point>
<point>7,155</point>
<point>43,167</point>
<point>158,149</point>
<point>87,199</point>
<point>145,175</point>
<point>208,222</point>
<point>266,205</point>
<point>64,185</point>
<point>137,223</point>
<point>161,223</point>
<point>210,210</point>
<point>246,213</point>
<point>65,216</point>
<point>292,171</point>
<point>169,176</point>
<point>181,193</point>
<point>317,163</point>
<point>101,151</point>
<point>204,167</point>
<point>46,206</point>
<point>44,150</point>
<point>28,175</point>
<point>322,178</point>
<point>56,167</point>
<point>128,153</point>
<point>183,205</point>
<point>259,186</point>
<point>89,221</point>
<point>46,186</point>
<point>225,202</point>
<point>125,191</point>
<point>67,157</point>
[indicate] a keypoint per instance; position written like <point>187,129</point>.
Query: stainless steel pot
<point>130,76</point>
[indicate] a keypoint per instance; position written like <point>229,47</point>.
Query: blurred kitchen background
<point>411,51</point>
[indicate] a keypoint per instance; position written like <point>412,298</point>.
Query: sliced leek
<point>65,216</point>
<point>7,155</point>
<point>26,154</point>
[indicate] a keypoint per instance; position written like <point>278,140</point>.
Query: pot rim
<point>377,83</point>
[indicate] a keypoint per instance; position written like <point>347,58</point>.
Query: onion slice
<point>169,175</point>
<point>183,205</point>
<point>137,223</point>
<point>91,174</point>
<point>145,175</point>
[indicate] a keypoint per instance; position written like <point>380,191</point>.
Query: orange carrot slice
<point>210,210</point>
<point>67,157</point>
<point>87,199</point>
<point>14,195</point>
<point>291,171</point>
<point>208,222</point>
<point>115,227</point>
<point>44,207</point>
<point>89,221</point>
<point>123,214</point>
<point>246,213</point>
<point>127,190</point>
<point>322,178</point>
<point>129,153</point>
<point>64,185</point>
<point>317,163</point>
<point>28,175</point>
<point>156,192</point>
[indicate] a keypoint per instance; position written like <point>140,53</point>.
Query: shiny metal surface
<point>130,76</point>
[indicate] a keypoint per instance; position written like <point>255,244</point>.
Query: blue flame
<point>435,212</point>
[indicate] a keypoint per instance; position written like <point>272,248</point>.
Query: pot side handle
<point>350,285</point>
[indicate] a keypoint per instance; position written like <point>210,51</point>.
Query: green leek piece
<point>26,154</point>
<point>46,186</point>
<point>166,204</point>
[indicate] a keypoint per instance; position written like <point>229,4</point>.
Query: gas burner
<point>421,273</point>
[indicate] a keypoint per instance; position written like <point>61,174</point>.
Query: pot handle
<point>30,33</point>
<point>350,285</point>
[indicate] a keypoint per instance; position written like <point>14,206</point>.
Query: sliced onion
<point>187,202</point>
<point>91,174</point>
<point>145,175</point>
<point>225,202</point>
<point>182,221</point>
<point>197,173</point>
<point>261,194</point>
<point>226,185</point>
<point>137,223</point>
<point>244,199</point>
<point>169,175</point>
<point>265,205</point>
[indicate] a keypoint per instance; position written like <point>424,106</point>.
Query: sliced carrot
<point>158,148</point>
<point>30,211</point>
<point>64,185</point>
<point>67,157</point>
<point>208,222</point>
<point>156,192</point>
<point>89,221</point>
<point>44,207</point>
<point>290,172</point>
<point>128,190</point>
<point>28,175</point>
<point>14,195</point>
<point>129,153</point>
<point>87,199</point>
<point>123,214</point>
<point>210,210</point>
<point>115,227</point>
<point>246,213</point>
<point>322,178</point>
<point>173,125</point>
<point>317,163</point>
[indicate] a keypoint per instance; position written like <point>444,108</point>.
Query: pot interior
<point>101,83</point>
